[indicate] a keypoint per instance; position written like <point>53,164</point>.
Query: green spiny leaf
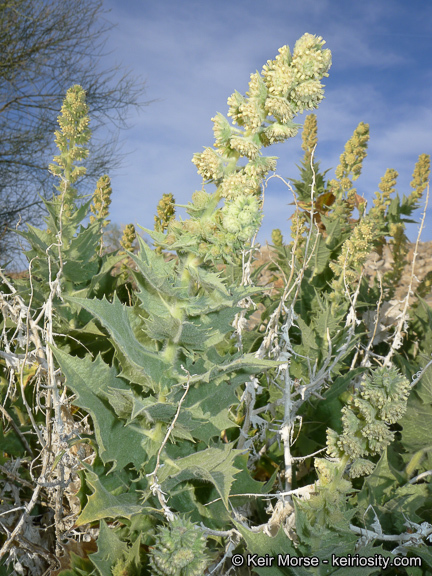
<point>116,319</point>
<point>215,465</point>
<point>261,544</point>
<point>104,504</point>
<point>110,548</point>
<point>91,382</point>
<point>159,274</point>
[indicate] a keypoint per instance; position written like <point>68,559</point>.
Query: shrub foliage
<point>153,424</point>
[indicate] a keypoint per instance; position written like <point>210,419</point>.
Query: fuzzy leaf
<point>203,420</point>
<point>329,412</point>
<point>83,270</point>
<point>407,500</point>
<point>209,407</point>
<point>110,549</point>
<point>260,544</point>
<point>91,382</point>
<point>159,274</point>
<point>208,280</point>
<point>309,339</point>
<point>102,282</point>
<point>115,318</point>
<point>163,327</point>
<point>83,246</point>
<point>326,320</point>
<point>130,406</point>
<point>152,301</point>
<point>215,465</point>
<point>69,225</point>
<point>103,504</point>
<point>334,229</point>
<point>321,256</point>
<point>379,486</point>
<point>417,421</point>
<point>328,533</point>
<point>38,239</point>
<point>245,484</point>
<point>248,363</point>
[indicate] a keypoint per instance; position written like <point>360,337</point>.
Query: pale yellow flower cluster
<point>382,201</point>
<point>252,111</point>
<point>278,74</point>
<point>242,216</point>
<point>277,237</point>
<point>298,230</point>
<point>277,132</point>
<point>400,250</point>
<point>307,94</point>
<point>209,164</point>
<point>244,147</point>
<point>165,212</point>
<point>74,133</point>
<point>222,131</point>
<point>420,177</point>
<point>388,183</point>
<point>297,79</point>
<point>309,60</point>
<point>280,108</point>
<point>354,253</point>
<point>200,199</point>
<point>128,238</point>
<point>397,229</point>
<point>101,200</point>
<point>71,140</point>
<point>235,101</point>
<point>261,166</point>
<point>309,135</point>
<point>239,183</point>
<point>351,160</point>
<point>349,169</point>
<point>73,119</point>
<point>287,86</point>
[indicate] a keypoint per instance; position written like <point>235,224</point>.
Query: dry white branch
<point>420,533</point>
<point>53,465</point>
<point>420,476</point>
<point>155,487</point>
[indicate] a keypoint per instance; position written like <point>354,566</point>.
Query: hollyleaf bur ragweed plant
<point>157,426</point>
<point>322,322</point>
<point>286,87</point>
<point>41,431</point>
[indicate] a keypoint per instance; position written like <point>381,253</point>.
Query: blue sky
<point>194,54</point>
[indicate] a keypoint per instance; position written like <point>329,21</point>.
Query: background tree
<point>47,46</point>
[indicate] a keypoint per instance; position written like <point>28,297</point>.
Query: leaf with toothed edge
<point>91,381</point>
<point>115,318</point>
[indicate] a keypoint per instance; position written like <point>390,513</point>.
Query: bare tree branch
<point>48,46</point>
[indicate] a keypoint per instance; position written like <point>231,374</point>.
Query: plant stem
<point>286,430</point>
